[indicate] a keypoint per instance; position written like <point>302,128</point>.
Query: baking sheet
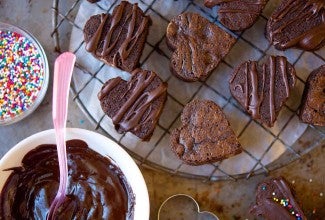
<point>262,145</point>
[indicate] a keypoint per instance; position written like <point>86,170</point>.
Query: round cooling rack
<point>265,149</point>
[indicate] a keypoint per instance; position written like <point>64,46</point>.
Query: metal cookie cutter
<point>182,206</point>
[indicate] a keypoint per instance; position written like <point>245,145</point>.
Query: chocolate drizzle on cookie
<point>140,102</point>
<point>258,88</point>
<point>118,35</point>
<point>307,17</point>
<point>237,15</point>
<point>274,200</point>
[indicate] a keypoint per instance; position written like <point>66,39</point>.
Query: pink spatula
<point>62,77</point>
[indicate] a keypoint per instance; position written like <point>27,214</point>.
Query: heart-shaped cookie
<point>205,135</point>
<point>182,206</point>
<point>118,39</point>
<point>237,15</point>
<point>134,105</point>
<point>275,200</point>
<point>198,46</point>
<point>312,109</point>
<point>297,23</point>
<point>263,89</point>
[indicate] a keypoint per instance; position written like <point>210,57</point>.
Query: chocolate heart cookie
<point>118,39</point>
<point>135,105</point>
<point>274,200</point>
<point>263,89</point>
<point>205,135</point>
<point>312,109</point>
<point>237,15</point>
<point>198,46</point>
<point>297,23</point>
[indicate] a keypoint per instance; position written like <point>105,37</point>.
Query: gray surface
<point>36,17</point>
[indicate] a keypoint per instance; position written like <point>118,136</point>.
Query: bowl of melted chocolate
<point>103,182</point>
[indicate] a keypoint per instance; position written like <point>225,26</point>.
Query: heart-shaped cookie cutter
<point>182,206</point>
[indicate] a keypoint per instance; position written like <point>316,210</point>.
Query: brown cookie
<point>312,110</point>
<point>237,15</point>
<point>134,105</point>
<point>263,89</point>
<point>275,200</point>
<point>198,46</point>
<point>297,23</point>
<point>118,39</point>
<point>205,135</point>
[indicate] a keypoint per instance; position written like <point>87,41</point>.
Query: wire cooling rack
<point>64,15</point>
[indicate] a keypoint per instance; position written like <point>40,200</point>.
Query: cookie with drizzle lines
<point>135,105</point>
<point>118,39</point>
<point>297,23</point>
<point>263,89</point>
<point>237,15</point>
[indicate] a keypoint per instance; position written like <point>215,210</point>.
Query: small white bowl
<point>98,143</point>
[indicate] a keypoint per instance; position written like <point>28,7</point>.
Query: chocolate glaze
<point>268,196</point>
<point>259,87</point>
<point>97,189</point>
<point>140,97</point>
<point>311,38</point>
<point>118,35</point>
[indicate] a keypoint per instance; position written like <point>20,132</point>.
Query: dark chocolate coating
<point>263,89</point>
<point>268,201</point>
<point>93,1</point>
<point>297,23</point>
<point>198,46</point>
<point>205,135</point>
<point>97,189</point>
<point>135,105</point>
<point>237,15</point>
<point>118,39</point>
<point>312,110</point>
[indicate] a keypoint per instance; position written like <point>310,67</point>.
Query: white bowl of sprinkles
<point>24,74</point>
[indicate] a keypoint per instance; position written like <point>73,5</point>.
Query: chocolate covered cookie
<point>205,135</point>
<point>312,110</point>
<point>275,200</point>
<point>237,15</point>
<point>198,46</point>
<point>118,39</point>
<point>297,23</point>
<point>134,105</point>
<point>263,89</point>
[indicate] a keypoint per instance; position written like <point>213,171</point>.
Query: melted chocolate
<point>269,196</point>
<point>97,189</point>
<point>120,17</point>
<point>305,10</point>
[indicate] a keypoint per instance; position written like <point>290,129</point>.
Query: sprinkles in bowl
<point>23,74</point>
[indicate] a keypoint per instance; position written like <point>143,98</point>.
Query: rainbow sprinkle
<point>286,203</point>
<point>21,74</point>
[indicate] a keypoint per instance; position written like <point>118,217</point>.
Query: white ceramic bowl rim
<point>95,141</point>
